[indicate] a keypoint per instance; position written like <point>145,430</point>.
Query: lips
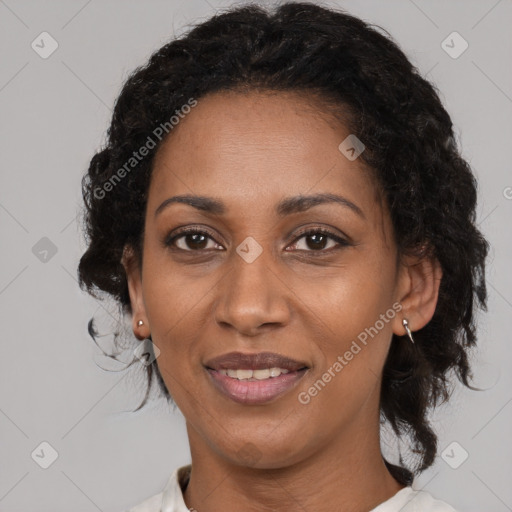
<point>259,361</point>
<point>254,392</point>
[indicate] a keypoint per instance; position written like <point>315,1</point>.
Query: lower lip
<point>255,392</point>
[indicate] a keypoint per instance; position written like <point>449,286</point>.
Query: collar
<point>172,499</point>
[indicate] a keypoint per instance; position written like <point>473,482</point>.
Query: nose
<point>252,296</point>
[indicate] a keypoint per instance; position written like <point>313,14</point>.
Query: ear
<point>133,269</point>
<point>418,289</point>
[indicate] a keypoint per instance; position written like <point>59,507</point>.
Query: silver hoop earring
<point>406,326</point>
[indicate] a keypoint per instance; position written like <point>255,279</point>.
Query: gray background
<point>54,113</point>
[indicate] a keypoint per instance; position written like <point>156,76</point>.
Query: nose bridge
<point>251,293</point>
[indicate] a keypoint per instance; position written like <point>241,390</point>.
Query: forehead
<point>252,148</point>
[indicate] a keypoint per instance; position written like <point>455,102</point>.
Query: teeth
<point>275,372</point>
<point>254,374</point>
<point>243,374</point>
<point>261,374</point>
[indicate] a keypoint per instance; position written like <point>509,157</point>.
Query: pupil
<point>195,241</point>
<point>316,237</point>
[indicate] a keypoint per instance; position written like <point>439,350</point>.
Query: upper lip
<point>262,360</point>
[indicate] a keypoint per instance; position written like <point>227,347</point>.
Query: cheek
<point>351,297</point>
<point>354,305</point>
<point>177,309</point>
<point>172,296</point>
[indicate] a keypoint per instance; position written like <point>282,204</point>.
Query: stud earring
<point>406,326</point>
<point>140,322</point>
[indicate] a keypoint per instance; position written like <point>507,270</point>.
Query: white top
<point>171,498</point>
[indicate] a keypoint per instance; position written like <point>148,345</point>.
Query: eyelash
<point>169,241</point>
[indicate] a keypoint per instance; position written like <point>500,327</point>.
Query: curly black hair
<point>429,188</point>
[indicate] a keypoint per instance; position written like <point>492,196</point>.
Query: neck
<point>349,471</point>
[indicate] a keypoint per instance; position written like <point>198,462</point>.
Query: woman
<point>283,212</point>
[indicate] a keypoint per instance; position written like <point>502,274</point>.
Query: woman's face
<point>250,281</point>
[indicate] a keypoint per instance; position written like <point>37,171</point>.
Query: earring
<point>139,324</point>
<point>406,326</point>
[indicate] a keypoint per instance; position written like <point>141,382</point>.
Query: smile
<point>254,387</point>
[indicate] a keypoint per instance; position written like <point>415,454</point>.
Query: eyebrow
<point>285,207</point>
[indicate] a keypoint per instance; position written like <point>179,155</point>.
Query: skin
<point>251,151</point>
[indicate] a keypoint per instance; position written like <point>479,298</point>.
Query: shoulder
<point>171,497</point>
<point>153,504</point>
<point>425,502</point>
<point>410,500</point>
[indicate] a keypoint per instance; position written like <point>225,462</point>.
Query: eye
<point>190,239</point>
<point>316,240</point>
